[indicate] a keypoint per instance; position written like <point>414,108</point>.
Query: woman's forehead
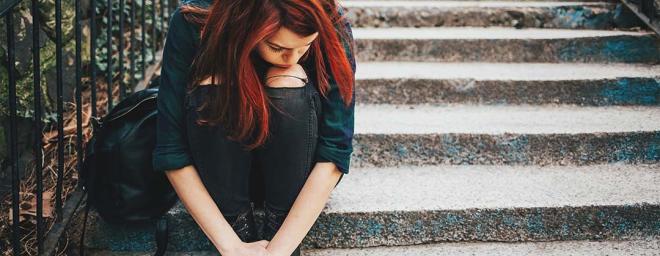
<point>286,38</point>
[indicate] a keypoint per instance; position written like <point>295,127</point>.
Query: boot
<point>273,220</point>
<point>244,225</point>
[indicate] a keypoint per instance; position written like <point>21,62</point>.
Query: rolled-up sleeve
<point>171,151</point>
<point>336,127</point>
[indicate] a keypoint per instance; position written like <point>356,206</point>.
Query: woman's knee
<point>286,77</point>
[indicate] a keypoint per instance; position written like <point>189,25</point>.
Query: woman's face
<point>285,48</point>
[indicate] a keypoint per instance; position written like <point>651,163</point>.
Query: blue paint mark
<point>535,223</point>
<point>450,145</point>
<point>514,150</point>
<point>565,230</point>
<point>653,149</point>
<point>454,219</point>
<point>635,49</point>
<point>625,151</point>
<point>418,226</point>
<point>642,91</point>
<point>611,49</point>
<point>401,151</point>
<point>374,228</point>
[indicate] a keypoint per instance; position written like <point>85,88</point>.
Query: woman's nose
<point>292,59</point>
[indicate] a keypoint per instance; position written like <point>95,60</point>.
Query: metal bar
<point>131,50</point>
<point>7,6</point>
<point>647,20</point>
<point>36,69</point>
<point>13,141</point>
<point>153,31</point>
<point>60,109</point>
<point>109,53</point>
<point>120,50</point>
<point>92,56</point>
<point>143,43</point>
<point>79,128</point>
<point>72,204</point>
<point>162,20</point>
<point>150,72</point>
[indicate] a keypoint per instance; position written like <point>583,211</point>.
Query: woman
<point>256,106</point>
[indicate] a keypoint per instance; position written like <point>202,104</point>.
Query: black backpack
<point>117,173</point>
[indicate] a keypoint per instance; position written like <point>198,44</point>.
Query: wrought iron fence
<point>647,10</point>
<point>156,12</point>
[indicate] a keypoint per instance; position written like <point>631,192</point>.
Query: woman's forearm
<point>306,208</point>
<point>202,208</point>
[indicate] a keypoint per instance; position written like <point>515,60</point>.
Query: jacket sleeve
<point>336,127</point>
<point>171,150</point>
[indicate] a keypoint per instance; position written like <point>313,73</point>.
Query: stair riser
<point>380,150</point>
<point>590,16</point>
<point>603,92</point>
<point>509,225</point>
<point>338,230</point>
<point>622,48</point>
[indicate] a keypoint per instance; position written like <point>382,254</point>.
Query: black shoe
<point>273,220</point>
<point>244,225</point>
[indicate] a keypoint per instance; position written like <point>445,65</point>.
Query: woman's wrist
<point>225,246</point>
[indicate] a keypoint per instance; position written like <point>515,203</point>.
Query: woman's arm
<point>335,147</point>
<point>202,208</point>
<point>306,209</point>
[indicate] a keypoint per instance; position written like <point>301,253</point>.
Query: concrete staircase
<point>485,128</point>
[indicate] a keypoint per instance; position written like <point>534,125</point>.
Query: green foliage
<point>22,20</point>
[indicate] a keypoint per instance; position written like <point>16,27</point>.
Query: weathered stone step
<point>507,83</point>
<point>609,1</point>
<point>412,205</point>
<point>498,44</point>
<point>648,246</point>
<point>545,14</point>
<point>557,248</point>
<point>390,135</point>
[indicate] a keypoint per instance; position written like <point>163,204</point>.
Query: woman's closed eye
<point>275,49</point>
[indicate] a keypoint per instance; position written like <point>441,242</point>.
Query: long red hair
<point>230,31</point>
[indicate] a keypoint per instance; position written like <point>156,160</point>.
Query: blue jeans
<point>272,174</point>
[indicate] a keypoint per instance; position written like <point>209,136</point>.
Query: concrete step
<point>413,205</point>
<point>503,134</point>
<point>647,246</point>
<point>512,1</point>
<point>554,248</point>
<point>498,44</point>
<point>542,14</point>
<point>507,83</point>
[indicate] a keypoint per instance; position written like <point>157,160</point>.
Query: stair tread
<point>502,71</point>
<point>453,187</point>
<point>450,33</point>
<point>498,119</point>
<point>467,4</point>
<point>649,246</point>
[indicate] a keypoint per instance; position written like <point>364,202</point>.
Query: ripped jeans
<point>272,174</point>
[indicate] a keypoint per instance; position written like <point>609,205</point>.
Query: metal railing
<point>46,240</point>
<point>647,10</point>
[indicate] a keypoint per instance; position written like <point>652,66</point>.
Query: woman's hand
<point>257,248</point>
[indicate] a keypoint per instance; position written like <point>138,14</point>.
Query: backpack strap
<point>161,235</point>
